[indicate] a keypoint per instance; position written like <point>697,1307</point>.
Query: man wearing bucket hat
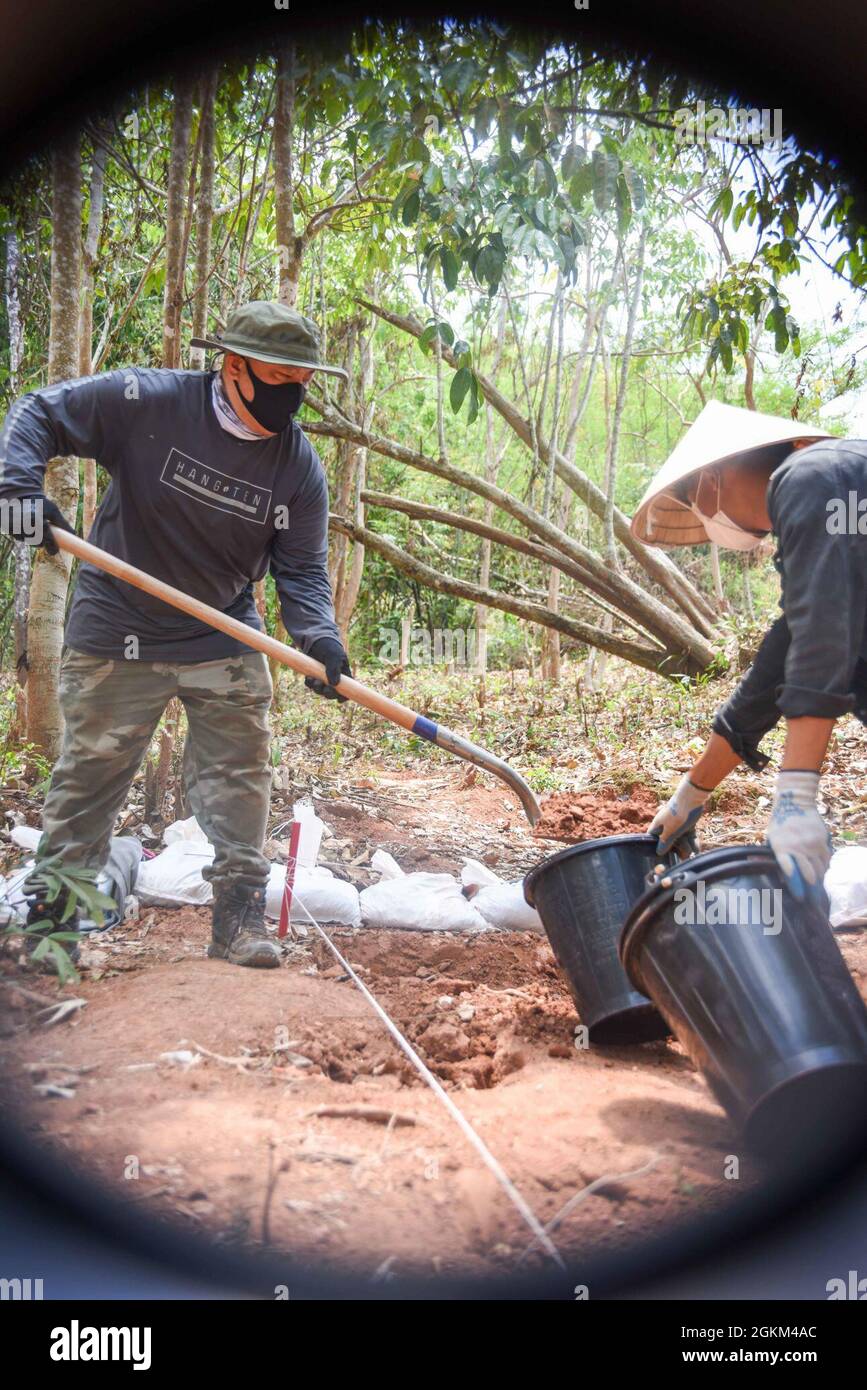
<point>736,477</point>
<point>213,483</point>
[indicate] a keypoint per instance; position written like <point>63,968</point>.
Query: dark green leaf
<point>461,382</point>
<point>450,266</point>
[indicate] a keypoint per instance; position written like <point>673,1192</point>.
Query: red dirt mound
<point>590,815</point>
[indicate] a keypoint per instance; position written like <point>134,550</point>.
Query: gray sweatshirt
<point>813,659</point>
<point>188,503</point>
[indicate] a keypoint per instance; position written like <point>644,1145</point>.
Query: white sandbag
<point>188,829</point>
<point>846,886</point>
<point>13,904</point>
<point>116,879</point>
<point>385,865</point>
<point>173,878</point>
<point>315,891</point>
<point>501,904</point>
<point>25,836</point>
<point>476,875</point>
<point>310,836</point>
<point>419,902</point>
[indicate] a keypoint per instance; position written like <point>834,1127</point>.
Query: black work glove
<point>330,652</point>
<point>26,518</point>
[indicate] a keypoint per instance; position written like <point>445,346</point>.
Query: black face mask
<point>273,406</point>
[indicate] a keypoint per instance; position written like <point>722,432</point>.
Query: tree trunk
<point>492,464</point>
<point>342,499</point>
<point>749,375</point>
<point>748,592</point>
<point>204,216</point>
<point>20,550</point>
<point>289,246</point>
<point>620,402</point>
<point>597,662</point>
<point>551,655</point>
<point>594,591</point>
<point>551,638</point>
<point>349,586</point>
<point>176,199</point>
<point>88,271</point>
<point>51,572</point>
<point>719,594</point>
<point>485,558</point>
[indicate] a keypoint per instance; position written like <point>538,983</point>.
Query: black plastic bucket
<point>760,997</point>
<point>582,896</point>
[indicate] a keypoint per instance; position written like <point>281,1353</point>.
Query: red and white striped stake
<point>286,905</point>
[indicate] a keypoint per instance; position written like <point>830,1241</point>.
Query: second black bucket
<point>755,988</point>
<point>583,895</point>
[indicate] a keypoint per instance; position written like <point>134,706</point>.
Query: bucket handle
<point>685,849</point>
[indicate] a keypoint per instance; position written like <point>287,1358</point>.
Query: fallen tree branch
<point>651,658</point>
<point>372,1113</point>
<point>670,628</point>
<point>600,593</point>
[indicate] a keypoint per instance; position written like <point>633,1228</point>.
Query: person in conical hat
<point>736,477</point>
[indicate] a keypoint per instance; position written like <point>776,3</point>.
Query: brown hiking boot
<point>238,932</point>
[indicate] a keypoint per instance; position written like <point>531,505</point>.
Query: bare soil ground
<point>300,1125</point>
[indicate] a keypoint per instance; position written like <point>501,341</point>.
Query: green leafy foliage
<point>724,314</point>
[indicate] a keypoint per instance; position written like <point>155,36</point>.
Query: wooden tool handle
<point>250,636</point>
<point>354,690</point>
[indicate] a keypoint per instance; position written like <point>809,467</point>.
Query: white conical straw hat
<point>719,435</point>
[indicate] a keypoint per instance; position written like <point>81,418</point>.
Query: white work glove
<point>678,816</point>
<point>797,834</point>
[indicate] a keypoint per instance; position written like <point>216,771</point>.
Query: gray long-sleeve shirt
<point>188,503</point>
<point>813,659</point>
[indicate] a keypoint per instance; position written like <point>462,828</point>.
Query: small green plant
<point>50,879</point>
<point>49,944</point>
<point>544,779</point>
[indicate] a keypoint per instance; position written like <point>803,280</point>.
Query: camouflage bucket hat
<point>271,332</point>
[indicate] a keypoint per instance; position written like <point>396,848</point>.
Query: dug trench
<point>183,1083</point>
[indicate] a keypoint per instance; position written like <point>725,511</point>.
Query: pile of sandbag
<point>478,901</point>
<point>417,901</point>
<point>174,877</point>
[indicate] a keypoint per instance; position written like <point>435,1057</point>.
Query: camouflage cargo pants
<point>111,709</point>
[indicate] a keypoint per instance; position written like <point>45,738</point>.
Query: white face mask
<point>725,532</point>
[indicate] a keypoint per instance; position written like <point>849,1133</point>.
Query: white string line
<point>586,1192</point>
<point>540,1234</point>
